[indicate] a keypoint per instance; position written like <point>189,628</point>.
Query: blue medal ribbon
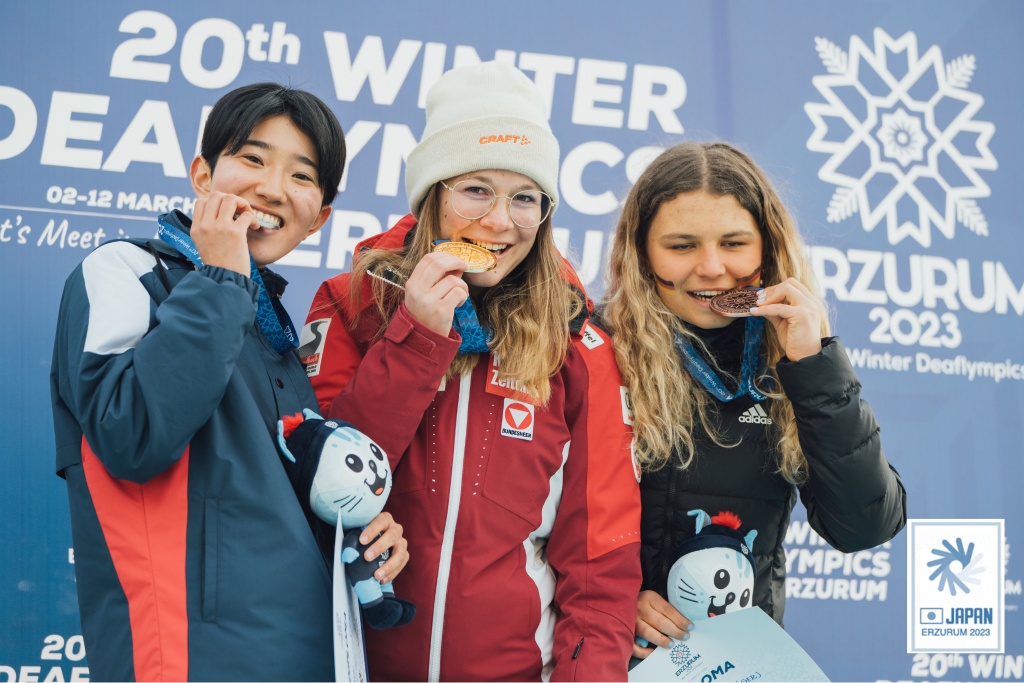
<point>752,335</point>
<point>475,337</point>
<point>270,314</point>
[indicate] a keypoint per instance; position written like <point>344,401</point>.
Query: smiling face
<point>494,231</point>
<point>275,170</point>
<point>700,245</point>
<point>710,582</point>
<point>354,476</point>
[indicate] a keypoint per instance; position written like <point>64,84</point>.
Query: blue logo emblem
<point>679,653</point>
<point>955,567</point>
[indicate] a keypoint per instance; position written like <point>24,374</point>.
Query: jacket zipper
<point>448,540</point>
<point>667,534</point>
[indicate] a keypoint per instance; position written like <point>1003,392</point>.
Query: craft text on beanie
<point>486,116</point>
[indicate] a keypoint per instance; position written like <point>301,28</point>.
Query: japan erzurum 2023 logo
<point>898,125</point>
<point>955,585</point>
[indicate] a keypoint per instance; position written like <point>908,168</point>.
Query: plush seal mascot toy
<point>344,470</point>
<point>714,569</point>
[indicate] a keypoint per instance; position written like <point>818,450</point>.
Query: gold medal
<point>478,258</point>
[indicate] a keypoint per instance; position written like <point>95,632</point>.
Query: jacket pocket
<point>208,595</point>
<point>568,658</point>
<point>522,475</point>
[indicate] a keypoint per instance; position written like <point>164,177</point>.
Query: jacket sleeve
<point>854,497</point>
<point>386,391</point>
<point>594,544</point>
<point>142,379</point>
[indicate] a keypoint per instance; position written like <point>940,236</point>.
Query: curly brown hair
<point>665,398</point>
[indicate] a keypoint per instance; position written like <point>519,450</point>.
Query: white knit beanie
<point>480,117</point>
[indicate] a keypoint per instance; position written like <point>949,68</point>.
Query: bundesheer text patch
<point>517,420</point>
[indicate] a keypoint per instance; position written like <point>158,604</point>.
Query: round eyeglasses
<point>473,199</point>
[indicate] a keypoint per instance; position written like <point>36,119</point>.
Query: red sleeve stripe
<point>144,526</point>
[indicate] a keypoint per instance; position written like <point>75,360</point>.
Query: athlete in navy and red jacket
<point>171,367</point>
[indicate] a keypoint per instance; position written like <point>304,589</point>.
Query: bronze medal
<point>478,258</point>
<point>735,304</point>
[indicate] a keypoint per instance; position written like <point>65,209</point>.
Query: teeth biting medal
<point>736,303</point>
<point>265,220</point>
<point>479,259</point>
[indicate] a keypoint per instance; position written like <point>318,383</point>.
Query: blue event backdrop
<point>891,128</point>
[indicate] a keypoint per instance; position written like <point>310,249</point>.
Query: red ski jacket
<point>522,521</point>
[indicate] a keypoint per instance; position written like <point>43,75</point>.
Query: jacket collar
<point>274,283</point>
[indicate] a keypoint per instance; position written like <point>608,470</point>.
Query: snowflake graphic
<point>901,137</point>
<point>679,653</point>
<point>900,126</point>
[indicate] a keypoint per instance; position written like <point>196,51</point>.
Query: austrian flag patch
<point>517,420</point>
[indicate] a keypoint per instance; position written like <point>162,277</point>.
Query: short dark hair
<point>237,113</point>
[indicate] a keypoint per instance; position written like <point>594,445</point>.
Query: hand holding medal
<point>220,230</point>
<point>795,313</point>
<point>475,338</point>
<point>435,288</point>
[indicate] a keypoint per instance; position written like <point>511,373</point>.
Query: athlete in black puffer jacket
<point>738,404</point>
<point>854,498</point>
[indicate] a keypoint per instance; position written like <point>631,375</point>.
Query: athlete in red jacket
<point>515,482</point>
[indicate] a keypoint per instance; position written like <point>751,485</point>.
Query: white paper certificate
<point>349,659</point>
<point>746,645</point>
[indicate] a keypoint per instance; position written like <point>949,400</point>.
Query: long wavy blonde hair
<point>529,311</point>
<point>666,399</point>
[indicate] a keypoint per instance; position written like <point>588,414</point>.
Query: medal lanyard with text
<point>699,369</point>
<point>273,319</point>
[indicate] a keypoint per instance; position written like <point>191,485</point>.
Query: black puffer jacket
<point>854,498</point>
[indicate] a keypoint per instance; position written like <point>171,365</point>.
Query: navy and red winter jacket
<point>193,557</point>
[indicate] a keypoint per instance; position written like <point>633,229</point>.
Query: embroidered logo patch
<point>627,406</point>
<point>517,420</point>
<point>591,339</point>
<point>311,345</point>
<point>507,387</point>
<point>637,469</point>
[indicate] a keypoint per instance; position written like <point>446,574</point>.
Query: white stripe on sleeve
<point>118,303</point>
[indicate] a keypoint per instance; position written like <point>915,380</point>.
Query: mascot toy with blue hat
<point>714,569</point>
<point>345,471</point>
